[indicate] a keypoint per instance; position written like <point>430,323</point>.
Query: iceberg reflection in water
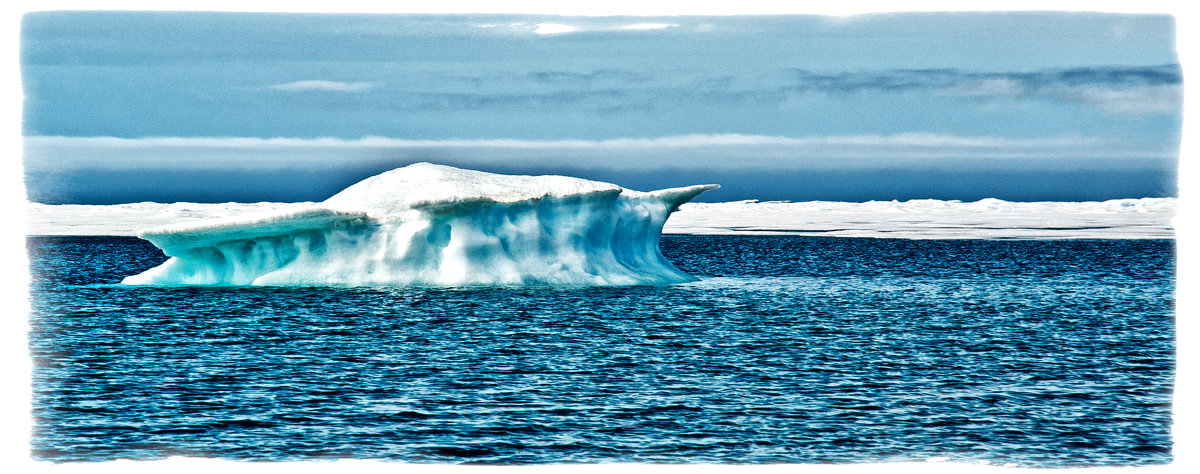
<point>428,224</point>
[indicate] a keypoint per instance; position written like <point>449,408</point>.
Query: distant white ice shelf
<point>1147,218</point>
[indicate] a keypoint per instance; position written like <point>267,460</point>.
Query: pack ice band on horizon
<point>1142,218</point>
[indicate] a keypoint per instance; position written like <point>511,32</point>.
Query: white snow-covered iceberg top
<point>434,225</point>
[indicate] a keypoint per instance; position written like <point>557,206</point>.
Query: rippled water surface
<point>787,349</point>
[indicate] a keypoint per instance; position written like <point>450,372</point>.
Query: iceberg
<point>434,225</point>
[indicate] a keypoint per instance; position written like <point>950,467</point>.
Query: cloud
<point>549,28</point>
<point>675,141</point>
<point>1114,90</point>
<point>613,76</point>
<point>1140,101</point>
<point>553,28</point>
<point>318,85</point>
<point>1126,90</point>
<point>648,26</point>
<point>987,88</point>
<point>723,151</point>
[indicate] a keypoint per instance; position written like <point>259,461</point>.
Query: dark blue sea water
<point>787,349</point>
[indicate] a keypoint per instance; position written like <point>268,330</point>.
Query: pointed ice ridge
<point>433,225</point>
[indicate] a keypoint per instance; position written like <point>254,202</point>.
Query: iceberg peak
<point>435,225</point>
<point>429,186</point>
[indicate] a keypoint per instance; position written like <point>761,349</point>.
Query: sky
<point>214,107</point>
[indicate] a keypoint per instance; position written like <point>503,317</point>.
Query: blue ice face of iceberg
<point>431,225</point>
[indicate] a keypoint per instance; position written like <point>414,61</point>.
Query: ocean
<point>787,349</point>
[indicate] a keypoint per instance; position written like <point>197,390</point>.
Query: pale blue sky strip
<point>1077,94</point>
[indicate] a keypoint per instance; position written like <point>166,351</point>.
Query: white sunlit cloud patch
<point>648,26</point>
<point>552,28</point>
<point>320,85</point>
